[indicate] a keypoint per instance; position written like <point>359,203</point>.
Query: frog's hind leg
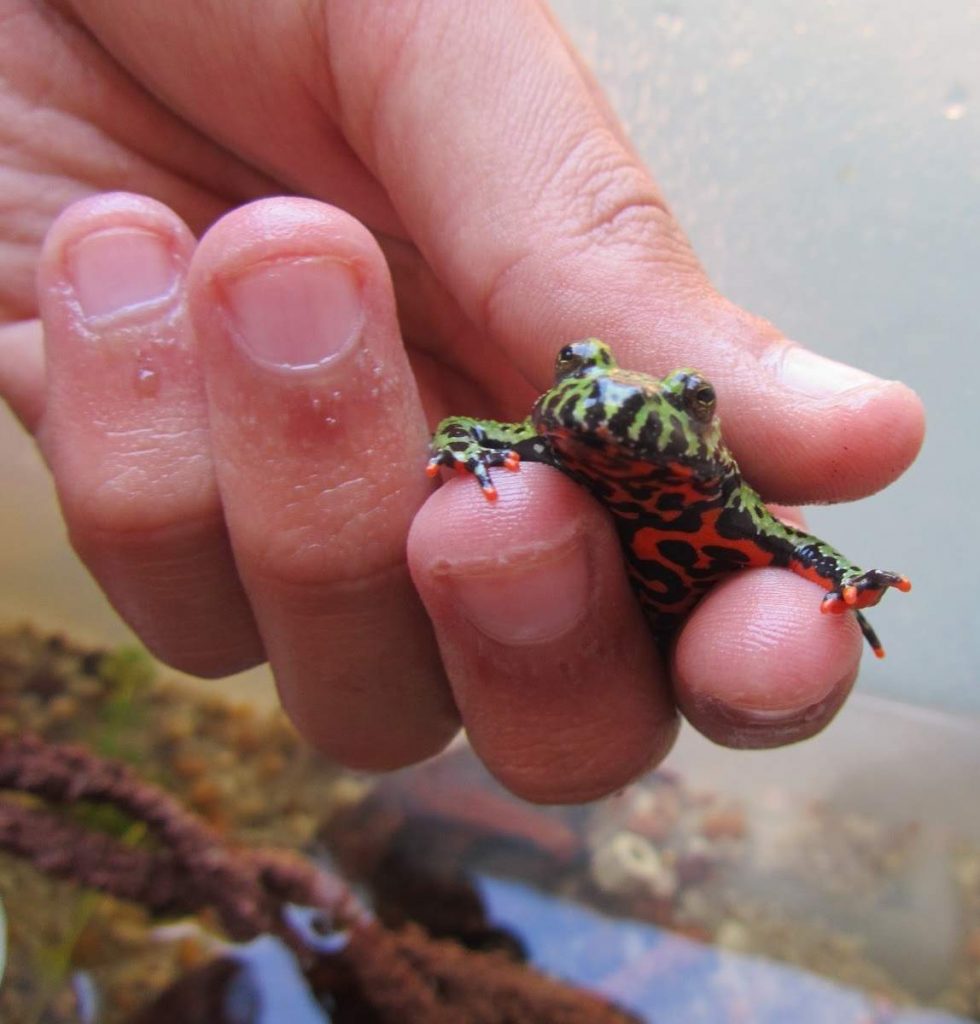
<point>870,635</point>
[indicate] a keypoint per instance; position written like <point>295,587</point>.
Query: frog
<point>651,451</point>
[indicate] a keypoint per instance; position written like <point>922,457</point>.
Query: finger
<point>125,432</point>
<point>757,665</point>
<point>319,442</point>
<point>552,665</point>
<point>22,378</point>
<point>75,122</point>
<point>548,229</point>
<point>268,62</point>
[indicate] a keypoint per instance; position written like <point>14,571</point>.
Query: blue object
<point>664,977</point>
<point>269,987</point>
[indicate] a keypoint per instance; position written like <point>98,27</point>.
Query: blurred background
<point>825,160</point>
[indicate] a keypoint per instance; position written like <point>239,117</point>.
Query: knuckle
<point>608,199</point>
<point>132,481</point>
<point>329,541</point>
<point>597,204</point>
<point>128,506</point>
<point>613,200</point>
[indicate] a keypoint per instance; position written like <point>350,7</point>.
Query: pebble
<point>178,727</point>
<point>733,935</point>
<point>63,708</point>
<point>84,687</point>
<point>270,765</point>
<point>190,953</point>
<point>246,737</point>
<point>724,823</point>
<point>205,794</point>
<point>627,864</point>
<point>188,765</point>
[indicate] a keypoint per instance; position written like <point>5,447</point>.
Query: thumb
<point>510,175</point>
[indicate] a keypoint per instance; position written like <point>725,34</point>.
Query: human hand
<point>238,435</point>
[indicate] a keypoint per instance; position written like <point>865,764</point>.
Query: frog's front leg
<point>474,446</point>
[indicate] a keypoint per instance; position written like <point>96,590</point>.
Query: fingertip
<point>279,226</point>
<point>516,566</point>
<point>757,665</point>
<point>898,414</point>
<point>551,662</point>
<point>453,512</point>
<point>117,352</point>
<point>107,210</point>
<point>803,427</point>
<point>111,280</point>
<point>800,448</point>
<point>874,434</point>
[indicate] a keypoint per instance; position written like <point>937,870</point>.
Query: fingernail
<point>530,605</point>
<point>764,708</point>
<point>752,726</point>
<point>817,376</point>
<point>120,269</point>
<point>296,313</point>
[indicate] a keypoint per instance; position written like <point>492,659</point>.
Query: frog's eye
<point>566,357</point>
<point>568,360</point>
<point>700,398</point>
<point>581,357</point>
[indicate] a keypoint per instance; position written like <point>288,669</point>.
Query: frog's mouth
<point>600,453</point>
<point>602,446</point>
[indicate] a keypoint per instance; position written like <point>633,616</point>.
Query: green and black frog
<point>652,453</point>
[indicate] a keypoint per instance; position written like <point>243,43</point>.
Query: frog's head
<point>596,403</point>
<point>674,417</point>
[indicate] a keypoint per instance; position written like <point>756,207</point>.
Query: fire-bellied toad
<point>651,451</point>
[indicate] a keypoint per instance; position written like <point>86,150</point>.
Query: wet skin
<point>651,451</point>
